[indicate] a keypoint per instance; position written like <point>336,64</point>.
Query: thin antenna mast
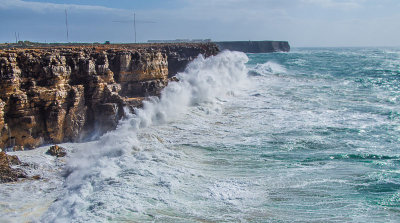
<point>16,39</point>
<point>134,24</point>
<point>66,24</point>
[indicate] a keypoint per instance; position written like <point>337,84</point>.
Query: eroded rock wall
<point>58,95</point>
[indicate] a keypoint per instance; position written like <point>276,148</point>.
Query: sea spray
<point>100,162</point>
<point>318,143</point>
<point>203,81</point>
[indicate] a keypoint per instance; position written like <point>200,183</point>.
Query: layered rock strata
<point>54,95</point>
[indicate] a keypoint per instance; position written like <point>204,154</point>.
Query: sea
<point>312,135</point>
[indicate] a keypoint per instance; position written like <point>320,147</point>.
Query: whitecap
<point>267,69</point>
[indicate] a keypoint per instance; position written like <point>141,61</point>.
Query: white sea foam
<point>204,81</point>
<point>291,147</point>
<point>268,68</point>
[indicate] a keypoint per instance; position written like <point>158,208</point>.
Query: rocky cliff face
<point>68,94</point>
<point>255,46</point>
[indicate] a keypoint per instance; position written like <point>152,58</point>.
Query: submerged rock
<point>7,173</point>
<point>36,177</point>
<point>57,151</point>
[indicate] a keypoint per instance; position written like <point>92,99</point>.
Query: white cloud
<point>45,6</point>
<point>302,22</point>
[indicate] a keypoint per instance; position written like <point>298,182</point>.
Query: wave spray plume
<point>204,80</point>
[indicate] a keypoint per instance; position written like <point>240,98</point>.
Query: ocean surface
<point>307,136</point>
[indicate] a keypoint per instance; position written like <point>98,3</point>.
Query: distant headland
<point>255,46</point>
<point>266,46</point>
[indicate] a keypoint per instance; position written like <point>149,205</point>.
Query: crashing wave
<point>204,81</point>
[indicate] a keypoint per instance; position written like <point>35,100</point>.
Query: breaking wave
<point>267,69</point>
<point>97,163</point>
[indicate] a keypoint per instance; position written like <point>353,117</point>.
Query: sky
<point>304,23</point>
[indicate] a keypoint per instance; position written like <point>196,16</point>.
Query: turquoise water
<point>328,133</point>
<point>314,138</point>
<point>307,136</point>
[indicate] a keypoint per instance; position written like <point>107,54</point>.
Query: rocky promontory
<point>255,46</point>
<point>71,93</point>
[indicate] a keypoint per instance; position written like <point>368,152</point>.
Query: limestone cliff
<point>53,95</point>
<point>255,46</point>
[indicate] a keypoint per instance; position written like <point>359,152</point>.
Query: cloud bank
<point>44,7</point>
<point>302,22</point>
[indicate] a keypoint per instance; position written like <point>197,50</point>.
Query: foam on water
<point>267,69</point>
<point>100,162</point>
<point>28,200</point>
<point>314,137</point>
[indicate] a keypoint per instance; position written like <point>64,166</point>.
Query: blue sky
<point>301,22</point>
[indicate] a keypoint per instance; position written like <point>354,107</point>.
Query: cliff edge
<point>59,94</point>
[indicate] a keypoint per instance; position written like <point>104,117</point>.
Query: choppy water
<point>307,136</point>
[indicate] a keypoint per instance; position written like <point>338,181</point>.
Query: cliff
<point>255,46</point>
<point>59,94</point>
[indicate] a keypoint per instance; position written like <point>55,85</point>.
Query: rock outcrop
<point>54,95</point>
<point>7,173</point>
<point>57,151</point>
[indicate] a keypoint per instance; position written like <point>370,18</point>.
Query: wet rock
<point>7,173</point>
<point>57,151</point>
<point>18,148</point>
<point>36,177</point>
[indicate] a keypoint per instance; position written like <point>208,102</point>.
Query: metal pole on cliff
<point>66,24</point>
<point>134,24</point>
